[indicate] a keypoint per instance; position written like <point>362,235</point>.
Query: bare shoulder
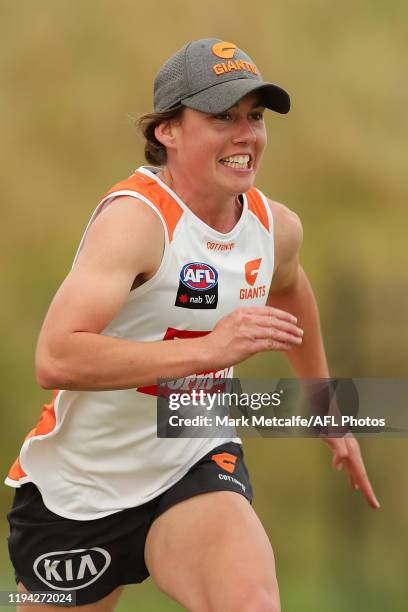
<point>126,228</point>
<point>130,215</point>
<point>288,231</point>
<point>124,242</point>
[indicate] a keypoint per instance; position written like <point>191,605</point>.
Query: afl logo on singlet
<point>198,286</point>
<point>199,276</point>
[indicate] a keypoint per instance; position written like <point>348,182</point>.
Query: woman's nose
<point>244,132</point>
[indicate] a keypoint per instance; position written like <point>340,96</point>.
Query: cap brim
<point>222,96</point>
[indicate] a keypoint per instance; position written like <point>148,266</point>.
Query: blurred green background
<point>73,76</point>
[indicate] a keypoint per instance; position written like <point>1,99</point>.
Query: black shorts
<point>91,558</point>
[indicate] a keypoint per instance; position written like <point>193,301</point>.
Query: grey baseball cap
<point>211,75</point>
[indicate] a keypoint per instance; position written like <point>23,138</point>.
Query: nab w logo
<point>68,570</point>
<point>226,461</point>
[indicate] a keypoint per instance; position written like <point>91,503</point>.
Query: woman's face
<point>222,151</point>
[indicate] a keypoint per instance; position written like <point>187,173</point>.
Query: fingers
<point>268,311</point>
<point>339,449</point>
<point>278,346</point>
<point>249,330</point>
<point>275,335</point>
<point>268,327</point>
<point>278,335</point>
<point>268,321</point>
<point>359,480</point>
<point>352,481</point>
<point>348,454</point>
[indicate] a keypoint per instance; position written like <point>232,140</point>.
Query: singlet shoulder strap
<point>142,187</point>
<point>148,190</point>
<point>258,206</point>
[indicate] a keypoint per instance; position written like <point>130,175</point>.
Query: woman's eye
<point>257,116</point>
<point>223,116</point>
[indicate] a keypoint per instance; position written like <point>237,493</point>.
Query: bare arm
<point>291,291</point>
<point>125,241</point>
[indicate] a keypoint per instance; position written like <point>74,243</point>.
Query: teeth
<point>236,161</point>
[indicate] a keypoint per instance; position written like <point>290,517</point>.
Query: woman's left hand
<point>347,453</point>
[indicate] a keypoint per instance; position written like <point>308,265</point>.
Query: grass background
<point>73,75</point>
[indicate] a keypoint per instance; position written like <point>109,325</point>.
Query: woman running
<point>185,269</point>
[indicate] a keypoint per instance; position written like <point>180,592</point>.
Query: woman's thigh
<point>211,553</point>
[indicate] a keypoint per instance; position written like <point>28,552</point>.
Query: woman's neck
<point>221,213</point>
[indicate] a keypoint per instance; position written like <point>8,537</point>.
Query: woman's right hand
<point>250,330</point>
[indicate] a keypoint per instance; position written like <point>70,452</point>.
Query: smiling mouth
<point>242,162</point>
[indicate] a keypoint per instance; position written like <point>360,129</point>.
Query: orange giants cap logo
<point>226,461</point>
<point>251,270</point>
<point>224,49</point>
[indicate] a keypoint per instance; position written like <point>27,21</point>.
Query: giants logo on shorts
<point>226,461</point>
<point>198,287</point>
<point>69,570</point>
<point>251,274</point>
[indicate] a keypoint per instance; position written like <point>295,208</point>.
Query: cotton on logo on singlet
<point>226,461</point>
<point>69,570</point>
<point>218,246</point>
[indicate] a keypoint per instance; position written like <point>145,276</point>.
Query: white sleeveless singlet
<point>94,453</point>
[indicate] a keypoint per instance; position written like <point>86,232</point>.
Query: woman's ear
<point>164,133</point>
